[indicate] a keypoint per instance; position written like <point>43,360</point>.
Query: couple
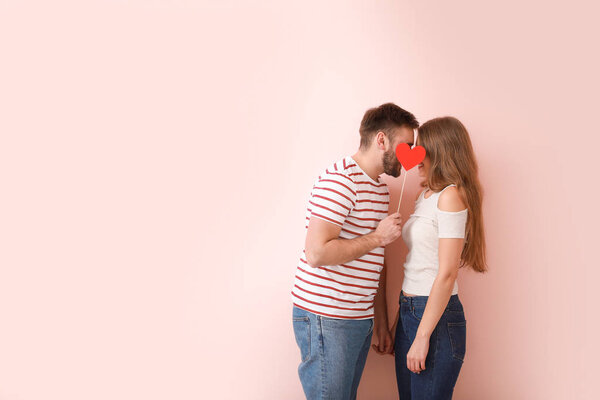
<point>340,283</point>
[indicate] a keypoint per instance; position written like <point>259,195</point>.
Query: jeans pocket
<point>302,334</point>
<point>417,312</point>
<point>458,337</point>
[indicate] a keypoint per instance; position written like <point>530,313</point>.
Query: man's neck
<point>370,163</point>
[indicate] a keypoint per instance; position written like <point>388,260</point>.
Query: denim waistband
<point>422,300</point>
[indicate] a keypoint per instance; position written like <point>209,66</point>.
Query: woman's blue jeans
<point>333,353</point>
<point>447,347</point>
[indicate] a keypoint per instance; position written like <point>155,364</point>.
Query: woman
<point>445,232</point>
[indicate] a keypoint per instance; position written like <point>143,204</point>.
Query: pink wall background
<point>156,157</point>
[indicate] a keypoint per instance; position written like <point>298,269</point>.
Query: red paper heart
<point>408,157</point>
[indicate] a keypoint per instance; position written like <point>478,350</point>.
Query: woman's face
<point>424,166</point>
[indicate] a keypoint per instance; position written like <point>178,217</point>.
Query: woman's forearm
<point>436,304</point>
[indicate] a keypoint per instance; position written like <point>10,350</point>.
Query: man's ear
<point>381,139</point>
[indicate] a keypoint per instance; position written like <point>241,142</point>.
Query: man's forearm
<point>340,251</point>
<point>380,303</point>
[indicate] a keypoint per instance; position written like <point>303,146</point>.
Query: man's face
<point>391,165</point>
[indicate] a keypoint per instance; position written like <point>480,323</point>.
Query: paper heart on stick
<point>409,158</point>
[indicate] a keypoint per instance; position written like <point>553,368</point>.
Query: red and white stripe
<point>343,195</point>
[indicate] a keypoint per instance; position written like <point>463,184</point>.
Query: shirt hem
<point>350,318</point>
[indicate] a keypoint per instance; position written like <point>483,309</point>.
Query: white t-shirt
<point>421,233</point>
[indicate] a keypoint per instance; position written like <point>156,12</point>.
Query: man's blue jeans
<point>333,354</point>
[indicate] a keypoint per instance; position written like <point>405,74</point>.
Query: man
<point>339,288</point>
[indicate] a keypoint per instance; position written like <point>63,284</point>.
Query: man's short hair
<point>384,118</point>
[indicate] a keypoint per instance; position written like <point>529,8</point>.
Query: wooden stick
<point>402,191</point>
<point>415,134</point>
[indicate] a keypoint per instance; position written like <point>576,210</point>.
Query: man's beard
<point>391,165</point>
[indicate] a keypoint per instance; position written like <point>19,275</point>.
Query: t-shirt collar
<point>350,159</point>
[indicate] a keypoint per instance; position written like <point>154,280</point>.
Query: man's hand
<point>389,228</point>
<point>384,341</point>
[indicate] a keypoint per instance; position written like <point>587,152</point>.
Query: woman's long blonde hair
<point>452,159</point>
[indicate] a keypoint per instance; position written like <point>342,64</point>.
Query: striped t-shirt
<point>346,196</point>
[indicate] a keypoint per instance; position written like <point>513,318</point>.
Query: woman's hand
<point>415,358</point>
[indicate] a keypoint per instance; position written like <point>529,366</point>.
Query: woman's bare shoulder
<point>451,200</point>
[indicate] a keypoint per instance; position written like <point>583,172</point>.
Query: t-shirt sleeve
<point>451,224</point>
<point>332,198</point>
